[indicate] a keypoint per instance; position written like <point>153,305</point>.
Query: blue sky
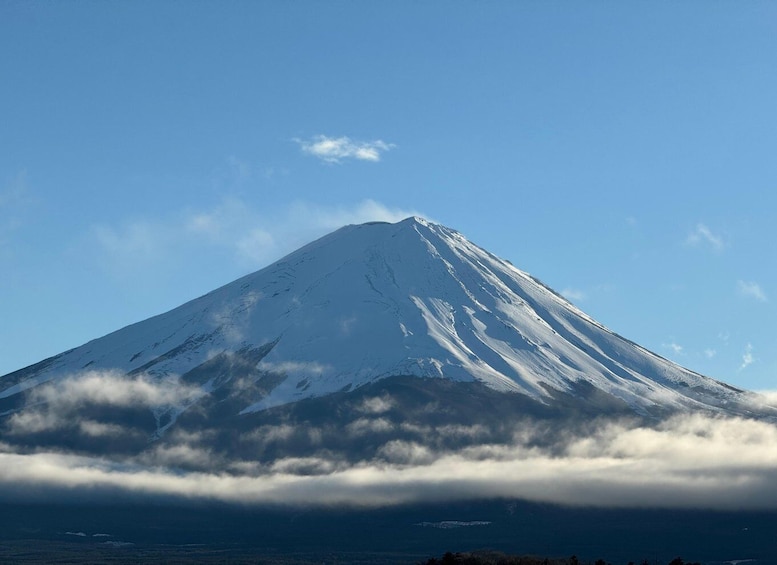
<point>622,152</point>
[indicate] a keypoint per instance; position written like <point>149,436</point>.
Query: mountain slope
<point>373,301</point>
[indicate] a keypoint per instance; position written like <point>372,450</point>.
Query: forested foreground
<point>211,533</point>
<point>496,558</point>
<point>36,553</point>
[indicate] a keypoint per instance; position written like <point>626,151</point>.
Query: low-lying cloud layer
<point>687,462</point>
<point>59,403</point>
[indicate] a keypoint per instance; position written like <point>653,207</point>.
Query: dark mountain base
<point>410,534</point>
<point>349,426</point>
<point>354,425</point>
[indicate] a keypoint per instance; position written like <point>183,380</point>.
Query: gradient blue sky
<point>622,152</point>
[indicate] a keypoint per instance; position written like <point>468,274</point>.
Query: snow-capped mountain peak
<point>379,300</point>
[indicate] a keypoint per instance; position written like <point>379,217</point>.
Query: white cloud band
<point>688,462</point>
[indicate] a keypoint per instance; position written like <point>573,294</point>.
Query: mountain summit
<point>373,301</point>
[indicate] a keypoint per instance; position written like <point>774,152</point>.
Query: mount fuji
<point>373,317</point>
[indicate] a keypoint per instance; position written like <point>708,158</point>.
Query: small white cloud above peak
<point>336,149</point>
<point>751,289</point>
<point>702,235</point>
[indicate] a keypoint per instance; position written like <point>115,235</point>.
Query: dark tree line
<point>493,558</point>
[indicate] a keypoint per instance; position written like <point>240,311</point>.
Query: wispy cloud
<point>233,235</point>
<point>709,353</point>
<point>676,348</point>
<point>55,404</point>
<point>573,294</point>
<point>298,368</point>
<point>253,245</point>
<point>703,235</point>
<point>747,357</point>
<point>231,224</point>
<point>336,149</point>
<point>233,228</point>
<point>332,217</point>
<point>751,289</point>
